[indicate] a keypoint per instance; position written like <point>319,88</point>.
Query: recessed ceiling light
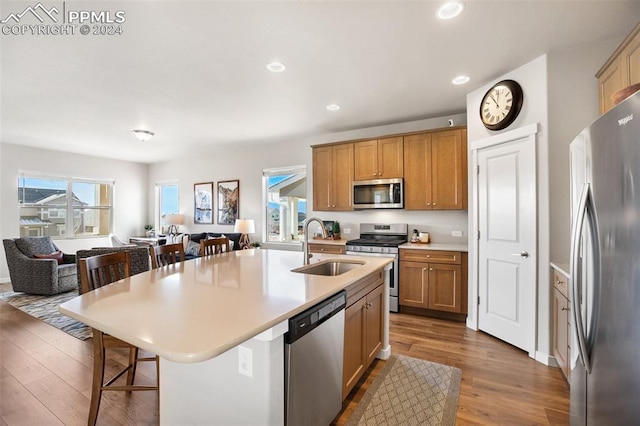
<point>143,135</point>
<point>461,79</point>
<point>333,107</point>
<point>450,9</point>
<point>276,67</point>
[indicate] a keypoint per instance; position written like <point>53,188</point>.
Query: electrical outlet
<point>245,361</point>
<point>347,230</point>
<point>456,233</point>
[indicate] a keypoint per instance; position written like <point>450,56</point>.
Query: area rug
<point>410,391</point>
<point>45,308</point>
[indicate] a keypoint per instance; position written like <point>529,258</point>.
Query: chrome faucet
<point>305,243</point>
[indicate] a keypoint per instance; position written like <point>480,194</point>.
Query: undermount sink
<point>329,268</point>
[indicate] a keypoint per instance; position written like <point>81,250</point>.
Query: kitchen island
<point>217,323</point>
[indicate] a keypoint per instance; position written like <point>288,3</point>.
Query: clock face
<point>501,105</point>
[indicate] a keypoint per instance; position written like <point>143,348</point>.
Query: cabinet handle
<point>558,282</point>
<point>564,309</point>
<point>428,256</point>
<point>424,269</point>
<point>428,204</point>
<point>434,204</point>
<point>431,269</point>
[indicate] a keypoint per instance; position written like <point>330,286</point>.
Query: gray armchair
<point>32,275</point>
<point>139,257</point>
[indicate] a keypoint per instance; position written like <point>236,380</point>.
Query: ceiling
<point>194,72</point>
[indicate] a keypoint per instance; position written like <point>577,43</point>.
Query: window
<point>168,202</point>
<point>47,202</point>
<point>286,203</point>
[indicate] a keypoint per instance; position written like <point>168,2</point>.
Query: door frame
<point>530,131</point>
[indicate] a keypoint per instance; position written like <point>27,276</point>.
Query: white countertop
<point>195,310</point>
<point>436,246</point>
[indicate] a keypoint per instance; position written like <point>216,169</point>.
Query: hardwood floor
<point>45,376</point>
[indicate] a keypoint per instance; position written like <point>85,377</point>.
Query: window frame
<point>158,219</point>
<point>68,210</point>
<point>266,173</point>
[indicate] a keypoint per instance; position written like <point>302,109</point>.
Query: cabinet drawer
<point>431,256</point>
<point>326,248</point>
<point>561,283</point>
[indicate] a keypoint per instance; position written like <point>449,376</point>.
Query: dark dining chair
<point>166,254</point>
<point>209,246</point>
<point>96,272</point>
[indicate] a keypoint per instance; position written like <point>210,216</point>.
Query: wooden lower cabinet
<point>434,280</point>
<point>364,322</point>
<point>561,323</point>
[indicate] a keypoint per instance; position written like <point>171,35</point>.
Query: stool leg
<point>131,374</point>
<point>98,377</point>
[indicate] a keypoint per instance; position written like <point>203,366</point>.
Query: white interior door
<point>507,244</point>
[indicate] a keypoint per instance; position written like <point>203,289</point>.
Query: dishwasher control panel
<point>306,321</point>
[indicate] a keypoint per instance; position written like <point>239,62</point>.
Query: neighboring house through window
<point>47,202</point>
<point>285,192</point>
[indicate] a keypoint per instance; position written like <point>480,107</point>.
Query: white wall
<point>571,77</point>
<point>130,191</point>
<point>246,162</point>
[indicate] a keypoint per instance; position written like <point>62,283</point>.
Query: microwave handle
<point>391,187</point>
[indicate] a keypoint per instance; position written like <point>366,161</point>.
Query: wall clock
<point>501,105</point>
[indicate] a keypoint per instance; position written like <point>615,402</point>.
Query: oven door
<point>393,275</point>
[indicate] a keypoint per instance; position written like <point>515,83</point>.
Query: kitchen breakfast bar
<point>218,325</point>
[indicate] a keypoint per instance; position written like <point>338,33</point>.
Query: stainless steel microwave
<point>378,194</point>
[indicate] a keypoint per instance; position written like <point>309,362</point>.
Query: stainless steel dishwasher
<point>314,347</point>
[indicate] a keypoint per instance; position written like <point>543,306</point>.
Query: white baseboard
<point>546,359</point>
<point>4,280</point>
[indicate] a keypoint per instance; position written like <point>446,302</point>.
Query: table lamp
<point>245,227</point>
<point>173,220</point>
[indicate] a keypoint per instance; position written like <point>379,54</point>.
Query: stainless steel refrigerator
<point>605,269</point>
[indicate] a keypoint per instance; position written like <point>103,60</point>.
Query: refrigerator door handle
<point>575,282</point>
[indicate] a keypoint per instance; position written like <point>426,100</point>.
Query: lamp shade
<point>174,219</point>
<point>245,226</point>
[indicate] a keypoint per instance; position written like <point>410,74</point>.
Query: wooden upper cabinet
<point>436,170</point>
<point>332,177</point>
<point>449,170</point>
<point>379,159</point>
<point>621,70</point>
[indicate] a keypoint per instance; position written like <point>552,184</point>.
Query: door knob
<point>523,253</point>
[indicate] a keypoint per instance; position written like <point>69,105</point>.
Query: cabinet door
<point>413,284</point>
<point>326,248</point>
<point>560,330</point>
<point>354,345</point>
<point>342,177</point>
<point>632,58</point>
<point>445,287</point>
<point>611,81</point>
<point>448,170</point>
<point>375,323</point>
<point>390,158</point>
<point>322,181</point>
<point>417,172</point>
<point>366,160</point>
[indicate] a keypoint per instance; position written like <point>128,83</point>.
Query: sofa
<point>192,244</point>
<point>38,266</point>
<point>138,256</point>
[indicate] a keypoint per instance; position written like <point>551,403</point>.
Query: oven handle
<point>359,253</point>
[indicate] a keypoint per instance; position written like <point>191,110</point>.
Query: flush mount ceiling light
<point>276,67</point>
<point>461,79</point>
<point>143,135</point>
<point>450,9</point>
<point>333,107</point>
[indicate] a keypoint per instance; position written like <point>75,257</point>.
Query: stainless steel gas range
<point>381,240</point>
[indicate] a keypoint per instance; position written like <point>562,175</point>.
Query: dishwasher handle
<point>303,323</point>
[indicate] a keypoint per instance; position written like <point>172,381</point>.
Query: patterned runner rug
<point>410,391</point>
<point>45,308</point>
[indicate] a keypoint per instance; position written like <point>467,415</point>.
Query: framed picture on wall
<point>203,202</point>
<point>228,201</point>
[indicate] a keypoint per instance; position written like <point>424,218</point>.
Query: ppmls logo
<point>57,20</point>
